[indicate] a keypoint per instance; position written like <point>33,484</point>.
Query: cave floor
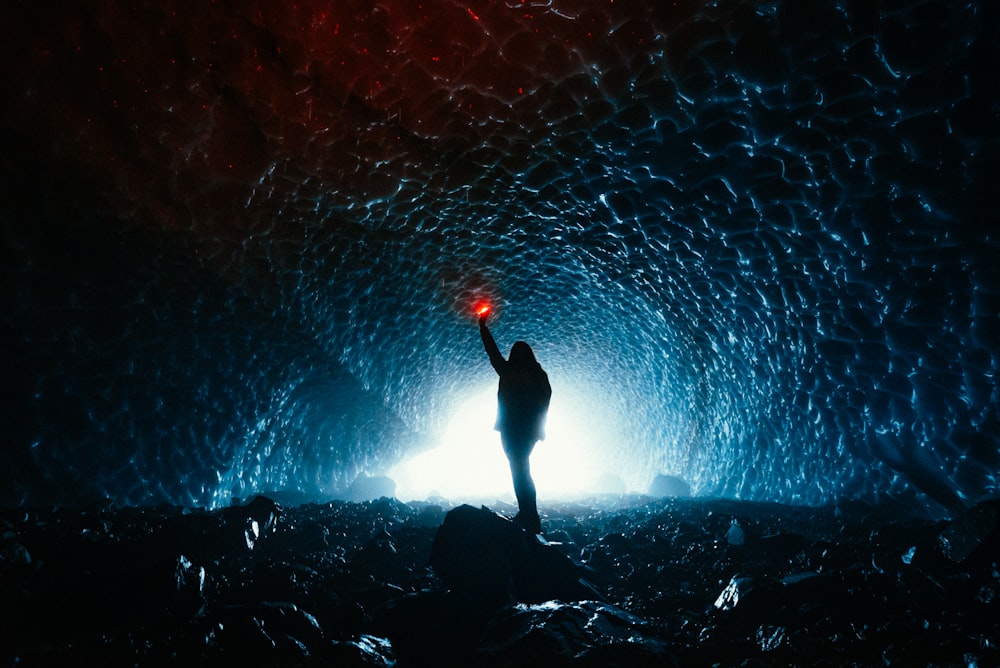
<point>673,582</point>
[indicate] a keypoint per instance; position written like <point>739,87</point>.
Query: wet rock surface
<point>619,581</point>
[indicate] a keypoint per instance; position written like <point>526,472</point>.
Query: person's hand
<point>483,309</point>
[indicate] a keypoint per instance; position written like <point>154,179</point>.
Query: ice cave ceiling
<point>753,241</point>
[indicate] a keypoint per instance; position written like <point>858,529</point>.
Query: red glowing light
<point>482,308</point>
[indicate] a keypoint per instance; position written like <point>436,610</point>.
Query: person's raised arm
<point>496,359</point>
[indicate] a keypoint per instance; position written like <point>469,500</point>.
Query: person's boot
<point>531,524</point>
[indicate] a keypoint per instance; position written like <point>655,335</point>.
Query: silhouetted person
<point>522,403</point>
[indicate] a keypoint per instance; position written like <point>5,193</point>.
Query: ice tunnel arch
<point>242,250</point>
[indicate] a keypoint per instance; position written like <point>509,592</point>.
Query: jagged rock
<point>736,591</point>
<point>378,557</point>
<point>587,633</point>
<point>669,485</point>
<point>268,632</point>
<point>259,518</point>
<point>431,516</point>
<point>366,651</point>
<point>167,585</point>
<point>432,627</point>
<point>204,536</point>
<point>15,554</point>
<point>189,580</point>
<point>735,535</point>
<point>484,556</point>
<point>973,528</point>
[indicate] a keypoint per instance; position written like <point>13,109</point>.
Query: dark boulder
<point>974,531</point>
<point>585,633</point>
<point>485,557</point>
<point>669,485</point>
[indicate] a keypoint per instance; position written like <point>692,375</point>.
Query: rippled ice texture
<point>241,243</point>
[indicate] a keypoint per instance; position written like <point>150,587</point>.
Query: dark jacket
<point>524,392</point>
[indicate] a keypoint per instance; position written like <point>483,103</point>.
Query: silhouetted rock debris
<point>581,633</point>
<point>669,485</point>
<point>626,581</point>
<point>485,557</point>
<point>978,529</point>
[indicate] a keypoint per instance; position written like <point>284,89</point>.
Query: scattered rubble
<point>616,581</point>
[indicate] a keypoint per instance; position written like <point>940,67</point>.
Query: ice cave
<point>752,243</point>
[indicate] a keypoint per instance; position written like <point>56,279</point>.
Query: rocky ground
<point>623,581</point>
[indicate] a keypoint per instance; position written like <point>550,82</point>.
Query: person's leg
<point>524,486</point>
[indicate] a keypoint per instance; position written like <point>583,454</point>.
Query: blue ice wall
<point>240,244</point>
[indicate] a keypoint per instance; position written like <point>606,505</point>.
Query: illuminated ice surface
<point>467,462</point>
<point>753,244</point>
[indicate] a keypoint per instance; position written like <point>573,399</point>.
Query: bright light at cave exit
<point>469,463</point>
